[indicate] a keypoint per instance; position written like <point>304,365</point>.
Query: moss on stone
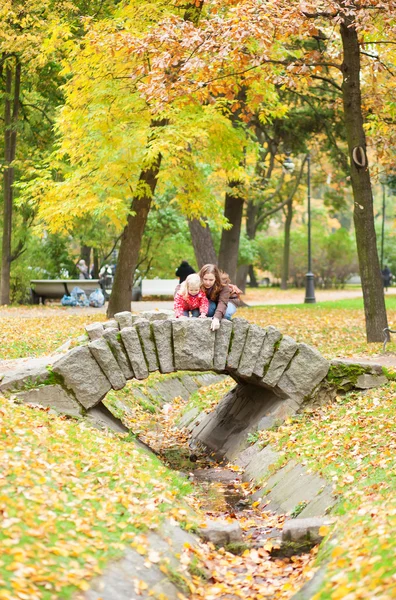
<point>344,376</point>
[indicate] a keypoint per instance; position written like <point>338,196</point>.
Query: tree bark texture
<point>131,240</point>
<point>202,241</point>
<point>85,254</point>
<point>11,111</point>
<point>373,294</point>
<point>286,245</point>
<point>229,245</point>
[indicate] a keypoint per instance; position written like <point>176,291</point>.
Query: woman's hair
<point>190,280</point>
<point>218,285</point>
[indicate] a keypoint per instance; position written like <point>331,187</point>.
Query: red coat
<point>181,303</point>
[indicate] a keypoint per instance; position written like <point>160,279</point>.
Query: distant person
<point>189,298</point>
<point>386,277</point>
<point>183,271</point>
<point>82,267</point>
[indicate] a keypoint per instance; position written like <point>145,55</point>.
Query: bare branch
<point>333,83</point>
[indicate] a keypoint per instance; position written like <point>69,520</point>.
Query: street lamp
<point>309,277</point>
<point>288,167</point>
<point>383,183</point>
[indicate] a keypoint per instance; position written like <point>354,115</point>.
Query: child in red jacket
<point>190,298</point>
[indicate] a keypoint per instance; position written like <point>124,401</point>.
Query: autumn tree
<point>249,37</point>
<point>31,36</point>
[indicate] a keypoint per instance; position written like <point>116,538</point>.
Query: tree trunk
<point>252,277</point>
<point>202,242</point>
<point>11,110</point>
<point>95,272</point>
<point>131,240</point>
<point>251,216</point>
<point>229,246</point>
<point>286,245</point>
<point>85,254</point>
<point>241,276</point>
<point>373,294</point>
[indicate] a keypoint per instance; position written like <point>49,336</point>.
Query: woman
<point>218,295</point>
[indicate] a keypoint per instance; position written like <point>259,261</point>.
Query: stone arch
<point>273,373</point>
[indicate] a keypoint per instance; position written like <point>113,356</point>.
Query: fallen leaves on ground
<point>71,498</point>
<point>352,443</point>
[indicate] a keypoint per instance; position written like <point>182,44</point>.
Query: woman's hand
<point>202,316</point>
<point>215,324</point>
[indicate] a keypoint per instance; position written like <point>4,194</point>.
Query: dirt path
<point>253,297</point>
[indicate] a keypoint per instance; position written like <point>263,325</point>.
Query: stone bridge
<point>273,373</point>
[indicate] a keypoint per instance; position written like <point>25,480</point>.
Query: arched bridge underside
<point>274,373</point>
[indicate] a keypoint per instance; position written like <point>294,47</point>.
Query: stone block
<point>82,374</point>
<point>111,324</point>
<point>188,417</point>
<point>291,486</point>
<point>132,345</point>
<point>193,343</point>
<point>147,342</point>
<point>272,337</point>
<point>367,381</point>
<point>162,331</point>
<point>239,332</point>
<point>222,344</point>
<point>168,390</point>
<point>100,417</point>
<point>94,330</point>
<point>320,505</point>
<point>220,532</point>
<point>304,530</point>
<point>280,360</point>
<point>157,315</point>
<point>34,371</point>
<point>113,337</point>
<point>225,430</point>
<point>105,358</point>
<point>259,463</point>
<point>306,371</point>
<point>124,319</point>
<point>251,351</point>
<point>52,396</point>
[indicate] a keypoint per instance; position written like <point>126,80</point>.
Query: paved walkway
<point>262,297</point>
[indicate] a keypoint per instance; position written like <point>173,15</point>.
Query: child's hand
<point>215,324</point>
<point>202,316</point>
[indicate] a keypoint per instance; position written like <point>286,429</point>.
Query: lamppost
<point>383,222</point>
<point>309,277</point>
<point>288,167</point>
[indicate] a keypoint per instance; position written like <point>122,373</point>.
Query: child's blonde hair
<point>191,279</point>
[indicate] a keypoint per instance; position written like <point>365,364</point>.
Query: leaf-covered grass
<point>352,443</point>
<point>71,498</point>
<point>38,336</point>
<point>336,329</point>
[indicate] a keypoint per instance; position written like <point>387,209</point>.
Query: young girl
<point>190,298</point>
<point>217,293</point>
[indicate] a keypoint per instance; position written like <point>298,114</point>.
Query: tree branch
<point>333,83</point>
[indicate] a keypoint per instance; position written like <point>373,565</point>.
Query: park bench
<point>55,289</point>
